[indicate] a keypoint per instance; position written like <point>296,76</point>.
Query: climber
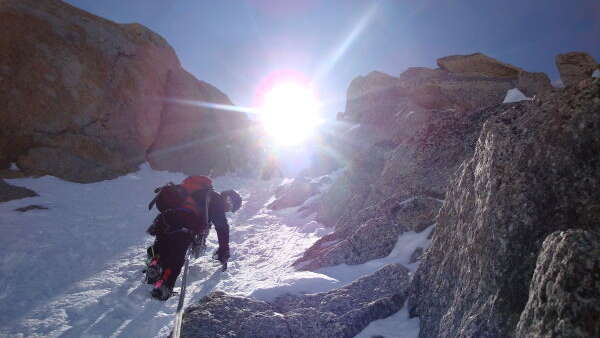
<point>181,221</point>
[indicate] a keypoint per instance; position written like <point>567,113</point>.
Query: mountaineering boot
<point>153,271</point>
<point>161,290</point>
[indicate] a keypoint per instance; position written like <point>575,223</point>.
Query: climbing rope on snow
<point>179,313</point>
<point>191,250</point>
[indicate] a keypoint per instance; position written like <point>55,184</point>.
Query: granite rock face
<point>221,315</point>
<point>84,97</point>
<point>415,172</point>
<point>411,133</point>
<point>199,140</point>
<point>575,66</point>
<point>534,172</point>
<point>342,312</point>
<point>534,84</point>
<point>564,297</point>
<point>376,235</point>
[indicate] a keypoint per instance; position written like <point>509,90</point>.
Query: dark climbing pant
<point>171,250</point>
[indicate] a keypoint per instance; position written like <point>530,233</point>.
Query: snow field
<point>74,270</point>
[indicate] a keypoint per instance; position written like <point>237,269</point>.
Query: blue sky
<point>234,44</point>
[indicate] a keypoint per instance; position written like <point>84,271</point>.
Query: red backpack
<point>190,195</point>
<point>185,195</point>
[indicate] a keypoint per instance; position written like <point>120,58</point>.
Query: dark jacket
<point>216,216</point>
<point>171,242</point>
<point>174,219</point>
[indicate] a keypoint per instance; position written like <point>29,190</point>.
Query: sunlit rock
<point>342,312</point>
<point>575,66</point>
<point>478,64</point>
<point>92,93</point>
<point>564,294</point>
<point>534,172</point>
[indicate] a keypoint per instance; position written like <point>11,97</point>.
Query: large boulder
<point>564,297</point>
<point>341,312</point>
<point>197,139</point>
<point>534,172</point>
<point>293,193</point>
<point>535,83</point>
<point>379,99</point>
<point>90,92</point>
<point>575,66</point>
<point>222,315</point>
<point>372,99</point>
<point>375,236</point>
<point>440,89</point>
<point>478,64</point>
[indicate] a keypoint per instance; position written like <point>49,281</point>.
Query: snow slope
<point>74,269</point>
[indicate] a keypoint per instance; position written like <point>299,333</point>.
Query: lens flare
<point>289,111</point>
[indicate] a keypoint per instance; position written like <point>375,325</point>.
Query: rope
<point>179,313</point>
<point>188,253</point>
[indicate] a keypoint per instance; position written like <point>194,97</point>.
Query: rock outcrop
<point>564,296</point>
<point>10,192</point>
<point>508,177</point>
<point>84,97</point>
<point>534,84</point>
<point>342,312</point>
<point>575,66</point>
<point>293,193</point>
<point>478,64</point>
<point>534,172</point>
<point>369,215</point>
<point>375,236</point>
<point>411,133</point>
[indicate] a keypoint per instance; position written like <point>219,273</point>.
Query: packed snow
<point>558,83</point>
<point>74,269</point>
<point>515,95</point>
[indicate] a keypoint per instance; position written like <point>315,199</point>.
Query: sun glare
<point>289,112</point>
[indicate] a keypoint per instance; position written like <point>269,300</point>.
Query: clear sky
<point>235,44</point>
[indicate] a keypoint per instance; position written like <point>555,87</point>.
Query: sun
<point>289,112</point>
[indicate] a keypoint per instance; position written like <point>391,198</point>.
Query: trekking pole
<point>179,313</point>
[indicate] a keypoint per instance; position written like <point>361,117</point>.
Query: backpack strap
<point>206,206</point>
<point>152,203</point>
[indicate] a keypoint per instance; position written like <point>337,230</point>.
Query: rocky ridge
<point>533,175</point>
<point>411,134</point>
<point>512,189</point>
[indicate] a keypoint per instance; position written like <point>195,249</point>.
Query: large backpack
<point>169,196</point>
<point>189,194</point>
<point>192,194</point>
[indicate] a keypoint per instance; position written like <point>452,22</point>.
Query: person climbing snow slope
<point>186,213</point>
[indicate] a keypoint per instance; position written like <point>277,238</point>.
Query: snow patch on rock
<point>515,95</point>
